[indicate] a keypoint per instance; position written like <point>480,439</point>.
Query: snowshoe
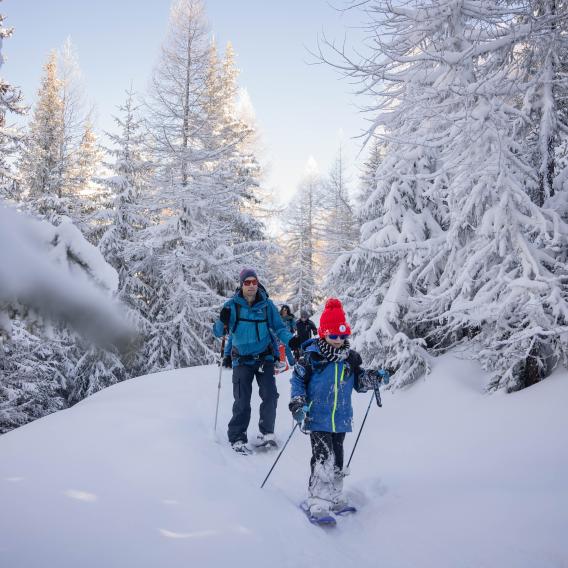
<point>320,518</point>
<point>344,510</point>
<point>241,448</point>
<point>266,442</point>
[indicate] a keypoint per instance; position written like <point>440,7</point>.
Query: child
<point>322,383</point>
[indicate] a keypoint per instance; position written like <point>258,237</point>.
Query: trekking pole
<point>219,385</point>
<point>377,396</point>
<point>281,452</point>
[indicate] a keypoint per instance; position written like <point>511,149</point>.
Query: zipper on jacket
<point>335,392</point>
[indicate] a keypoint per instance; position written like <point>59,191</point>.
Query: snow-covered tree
<point>50,279</point>
<point>190,248</point>
<point>41,168</point>
<point>11,101</point>
<point>502,278</point>
<point>33,380</point>
<point>401,205</point>
<point>457,220</point>
<point>88,197</point>
<point>539,61</point>
<point>301,241</point>
<point>338,227</point>
<point>129,184</point>
<point>60,155</point>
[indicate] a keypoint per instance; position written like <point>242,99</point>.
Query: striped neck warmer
<point>331,353</point>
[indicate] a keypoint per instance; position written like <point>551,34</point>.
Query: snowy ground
<point>444,476</point>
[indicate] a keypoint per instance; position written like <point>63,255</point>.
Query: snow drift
<point>444,476</point>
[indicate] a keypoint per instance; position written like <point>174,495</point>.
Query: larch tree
<point>539,77</point>
<point>482,259</point>
<point>192,243</point>
<point>401,207</point>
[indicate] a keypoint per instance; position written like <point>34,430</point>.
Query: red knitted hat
<point>333,319</point>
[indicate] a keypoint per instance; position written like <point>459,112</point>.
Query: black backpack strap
<point>256,322</point>
<point>237,318</point>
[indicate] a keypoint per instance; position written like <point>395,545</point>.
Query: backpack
<point>274,344</point>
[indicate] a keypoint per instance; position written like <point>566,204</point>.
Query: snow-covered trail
<point>444,476</point>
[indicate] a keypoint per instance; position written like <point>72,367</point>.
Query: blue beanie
<point>247,273</point>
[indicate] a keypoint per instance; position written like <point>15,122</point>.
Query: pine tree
<point>33,380</point>
<point>11,101</point>
<point>129,183</point>
<point>88,197</point>
<point>41,168</point>
<point>301,241</point>
<point>30,365</point>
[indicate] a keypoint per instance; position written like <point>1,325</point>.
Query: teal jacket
<point>252,328</point>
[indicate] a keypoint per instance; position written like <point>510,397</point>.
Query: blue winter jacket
<point>252,336</point>
<point>290,323</point>
<point>327,387</point>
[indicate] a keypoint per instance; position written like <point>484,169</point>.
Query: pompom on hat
<point>332,320</point>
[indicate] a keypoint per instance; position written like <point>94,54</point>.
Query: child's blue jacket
<point>327,387</point>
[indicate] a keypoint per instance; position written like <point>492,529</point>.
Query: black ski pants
<point>327,447</point>
<point>243,377</point>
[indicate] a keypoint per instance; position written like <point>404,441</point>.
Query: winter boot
<point>266,441</point>
<point>339,503</point>
<point>338,499</point>
<point>241,448</point>
<point>318,508</point>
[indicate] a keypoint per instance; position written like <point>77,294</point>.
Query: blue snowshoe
<point>344,510</point>
<point>325,519</point>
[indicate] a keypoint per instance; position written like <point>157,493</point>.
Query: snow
<point>444,476</point>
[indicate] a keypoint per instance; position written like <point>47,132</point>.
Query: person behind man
<point>290,322</point>
<point>251,319</point>
<point>305,328</point>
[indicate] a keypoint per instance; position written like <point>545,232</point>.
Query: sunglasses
<point>250,282</point>
<point>335,336</point>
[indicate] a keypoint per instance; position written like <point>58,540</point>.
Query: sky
<point>302,108</point>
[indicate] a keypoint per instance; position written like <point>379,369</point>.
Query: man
<point>305,328</point>
<point>252,321</point>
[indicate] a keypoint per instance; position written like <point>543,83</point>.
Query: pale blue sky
<point>301,109</point>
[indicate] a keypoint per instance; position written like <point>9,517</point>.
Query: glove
<point>372,379</point>
<point>294,343</point>
<point>225,316</point>
<point>227,362</point>
<point>299,408</point>
<point>383,375</point>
